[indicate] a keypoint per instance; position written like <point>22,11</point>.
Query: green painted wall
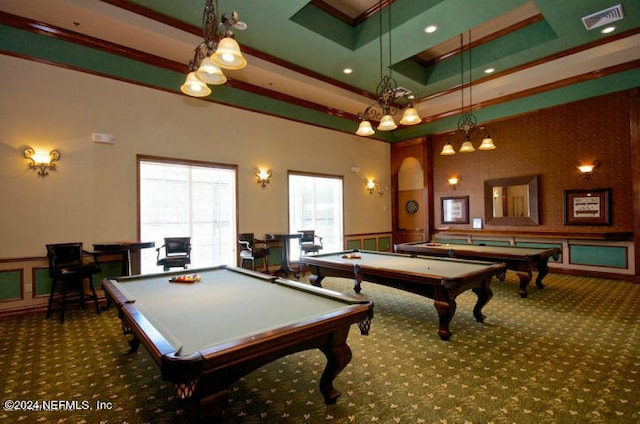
<point>10,283</point>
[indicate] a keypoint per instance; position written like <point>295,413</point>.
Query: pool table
<point>522,260</point>
<point>205,335</point>
<point>440,279</point>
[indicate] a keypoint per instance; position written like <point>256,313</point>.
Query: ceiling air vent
<point>603,17</point>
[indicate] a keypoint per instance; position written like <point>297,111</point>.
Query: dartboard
<point>411,206</point>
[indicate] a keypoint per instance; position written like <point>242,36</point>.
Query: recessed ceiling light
<point>347,70</point>
<point>608,30</point>
<point>430,29</point>
<point>489,70</point>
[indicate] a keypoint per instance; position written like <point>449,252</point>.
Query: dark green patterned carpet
<point>568,354</point>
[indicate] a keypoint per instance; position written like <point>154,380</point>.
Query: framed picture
<point>587,207</point>
<point>455,210</point>
<point>477,223</point>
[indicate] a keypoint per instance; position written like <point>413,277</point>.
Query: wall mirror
<point>511,201</point>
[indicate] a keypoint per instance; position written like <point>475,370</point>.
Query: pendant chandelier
<point>217,51</point>
<point>390,98</point>
<point>467,121</point>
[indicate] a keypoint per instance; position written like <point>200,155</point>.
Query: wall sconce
<point>263,177</point>
<point>453,182</point>
<point>373,185</point>
<point>43,162</point>
<point>587,170</point>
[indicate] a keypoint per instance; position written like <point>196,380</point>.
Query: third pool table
<point>522,260</point>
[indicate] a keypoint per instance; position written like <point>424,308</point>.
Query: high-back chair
<point>310,242</point>
<point>177,253</point>
<point>250,252</point>
<point>68,272</point>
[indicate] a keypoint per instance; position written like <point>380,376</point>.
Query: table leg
<point>484,294</point>
<point>316,279</point>
<point>338,355</point>
<point>286,267</point>
<point>525,278</point>
<point>446,306</point>
<point>543,270</point>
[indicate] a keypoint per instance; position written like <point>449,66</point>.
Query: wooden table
<point>522,260</point>
<point>206,335</point>
<point>130,251</point>
<point>440,279</point>
<point>285,265</point>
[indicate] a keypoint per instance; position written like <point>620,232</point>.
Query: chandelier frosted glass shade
<point>210,73</point>
<point>387,123</point>
<point>193,86</point>
<point>447,149</point>
<point>410,116</point>
<point>487,144</point>
<point>365,129</point>
<point>228,55</point>
<point>467,147</point>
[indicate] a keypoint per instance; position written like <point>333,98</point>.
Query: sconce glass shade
<point>585,169</point>
<point>264,176</point>
<point>228,55</point>
<point>42,162</point>
<point>365,129</point>
<point>447,149</point>
<point>410,116</point>
<point>453,181</point>
<point>467,147</point>
<point>371,185</point>
<point>387,123</point>
<point>487,144</point>
<point>210,73</point>
<point>194,86</point>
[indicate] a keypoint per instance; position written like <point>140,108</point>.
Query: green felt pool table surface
<point>436,268</point>
<point>222,307</point>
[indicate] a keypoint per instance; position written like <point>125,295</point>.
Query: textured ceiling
<point>297,50</point>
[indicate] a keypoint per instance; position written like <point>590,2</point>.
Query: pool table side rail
<point>462,251</point>
<point>267,346</point>
<point>351,299</point>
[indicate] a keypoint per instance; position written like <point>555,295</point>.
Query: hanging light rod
<point>389,97</point>
<point>218,50</point>
<point>467,121</point>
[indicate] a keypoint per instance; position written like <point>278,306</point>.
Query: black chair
<point>310,242</point>
<point>177,253</point>
<point>250,252</point>
<point>68,272</point>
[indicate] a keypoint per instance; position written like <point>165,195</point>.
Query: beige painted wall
<point>92,195</point>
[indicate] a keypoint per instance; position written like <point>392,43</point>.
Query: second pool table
<point>440,279</point>
<point>207,334</point>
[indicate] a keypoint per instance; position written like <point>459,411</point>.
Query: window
<point>183,199</point>
<point>315,203</point>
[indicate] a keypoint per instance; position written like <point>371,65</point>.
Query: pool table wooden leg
<point>543,270</point>
<point>338,355</point>
<point>525,279</point>
<point>446,306</point>
<point>484,294</point>
<point>316,279</point>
